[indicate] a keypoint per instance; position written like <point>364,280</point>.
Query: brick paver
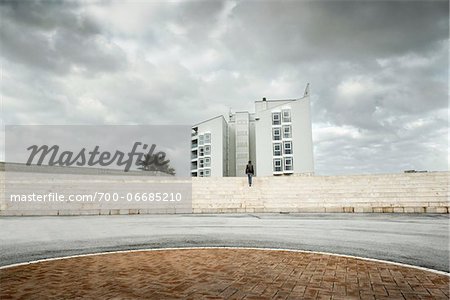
<point>219,274</point>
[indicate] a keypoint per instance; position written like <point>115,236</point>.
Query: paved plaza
<point>220,274</point>
<point>223,273</point>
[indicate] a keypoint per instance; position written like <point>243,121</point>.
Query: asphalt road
<point>421,239</point>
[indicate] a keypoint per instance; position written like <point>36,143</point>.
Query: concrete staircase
<point>410,193</point>
<point>381,193</point>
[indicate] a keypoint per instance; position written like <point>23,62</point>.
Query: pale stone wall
<point>398,193</point>
<point>402,193</point>
<point>100,194</point>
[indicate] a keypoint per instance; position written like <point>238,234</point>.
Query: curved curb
<point>235,248</point>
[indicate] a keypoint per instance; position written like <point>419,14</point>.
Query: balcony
<point>194,132</point>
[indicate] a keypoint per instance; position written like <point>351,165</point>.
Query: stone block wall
<point>384,193</point>
<point>380,193</point>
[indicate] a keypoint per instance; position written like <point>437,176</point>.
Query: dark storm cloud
<point>47,15</point>
<point>294,32</point>
<point>378,69</point>
<point>378,28</point>
<point>198,17</point>
<point>55,37</point>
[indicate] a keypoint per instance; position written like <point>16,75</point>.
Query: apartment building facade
<point>277,138</point>
<point>209,153</point>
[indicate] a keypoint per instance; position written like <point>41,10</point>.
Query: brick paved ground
<point>219,274</point>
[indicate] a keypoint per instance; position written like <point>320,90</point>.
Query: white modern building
<point>209,148</point>
<point>277,138</point>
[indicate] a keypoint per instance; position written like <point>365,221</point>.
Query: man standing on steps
<point>250,172</point>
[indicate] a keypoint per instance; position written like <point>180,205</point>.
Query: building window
<point>277,149</point>
<point>207,150</point>
<point>200,174</point>
<point>200,163</point>
<point>286,116</point>
<point>276,118</point>
<point>207,138</point>
<point>287,132</point>
<point>277,165</point>
<point>207,162</point>
<point>193,155</point>
<point>200,139</point>
<point>288,164</point>
<point>207,173</point>
<point>276,134</point>
<point>200,151</point>
<point>288,147</point>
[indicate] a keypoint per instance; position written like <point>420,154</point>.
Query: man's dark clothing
<point>250,172</point>
<point>249,169</point>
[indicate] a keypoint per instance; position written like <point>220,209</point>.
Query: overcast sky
<point>378,70</point>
